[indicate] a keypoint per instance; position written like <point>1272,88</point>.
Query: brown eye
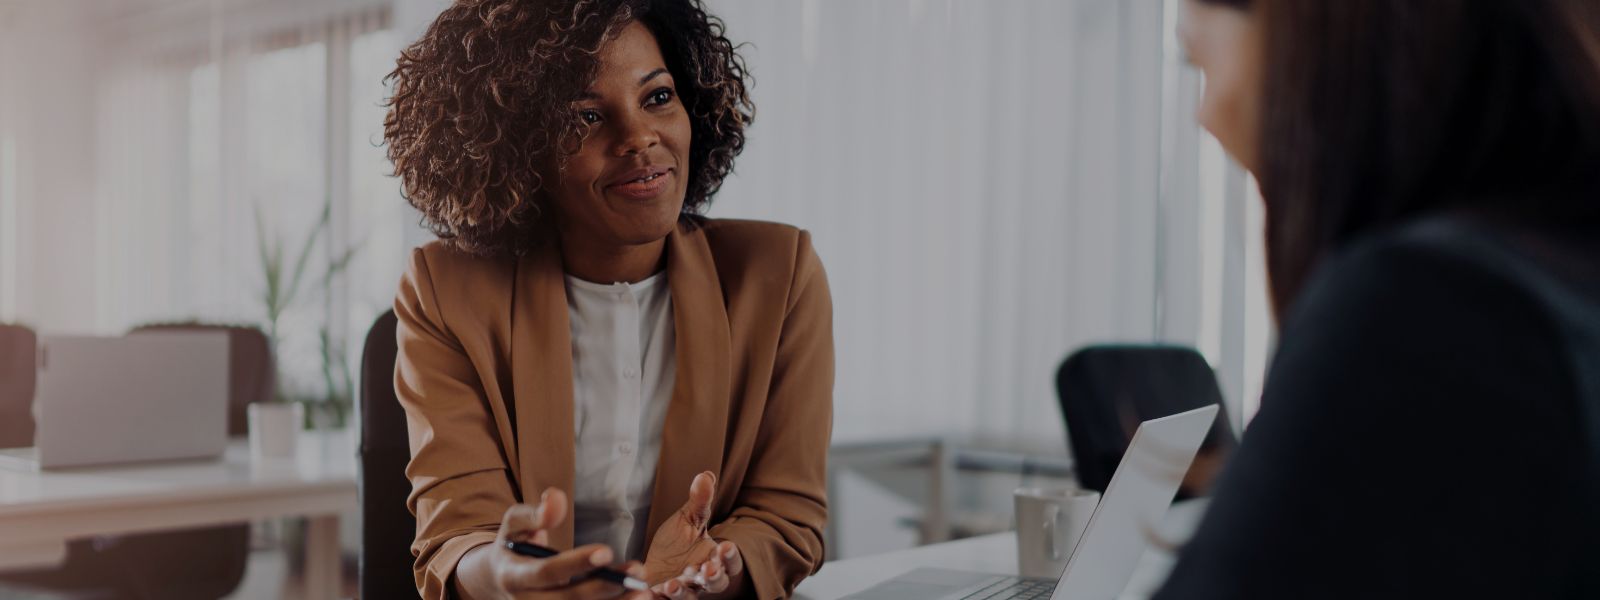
<point>589,117</point>
<point>660,97</point>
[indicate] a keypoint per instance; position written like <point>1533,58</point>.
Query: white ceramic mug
<point>274,428</point>
<point>1050,521</point>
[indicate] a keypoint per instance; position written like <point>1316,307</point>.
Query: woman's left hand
<point>683,561</point>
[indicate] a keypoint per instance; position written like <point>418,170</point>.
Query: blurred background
<point>991,186</point>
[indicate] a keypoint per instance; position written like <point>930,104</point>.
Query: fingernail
<point>727,553</point>
<point>545,495</point>
<point>601,557</point>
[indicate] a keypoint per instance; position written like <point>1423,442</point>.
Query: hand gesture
<point>683,561</point>
<point>500,574</point>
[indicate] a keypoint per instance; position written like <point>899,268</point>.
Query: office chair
<point>202,564</point>
<point>1107,391</point>
<point>387,526</point>
<point>19,349</point>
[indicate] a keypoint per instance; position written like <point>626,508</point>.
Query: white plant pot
<point>274,430</point>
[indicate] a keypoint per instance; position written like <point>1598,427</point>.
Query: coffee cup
<point>1050,521</point>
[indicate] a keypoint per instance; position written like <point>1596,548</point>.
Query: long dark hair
<point>1376,111</point>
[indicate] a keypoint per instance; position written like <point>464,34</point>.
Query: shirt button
<point>630,373</point>
<point>625,449</point>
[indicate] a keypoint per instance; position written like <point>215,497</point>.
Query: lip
<point>637,183</point>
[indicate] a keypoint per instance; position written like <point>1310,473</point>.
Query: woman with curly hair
<point>655,383</point>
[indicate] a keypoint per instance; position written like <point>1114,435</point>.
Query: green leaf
<point>305,254</point>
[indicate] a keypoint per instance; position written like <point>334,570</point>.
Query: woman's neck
<point>612,264</point>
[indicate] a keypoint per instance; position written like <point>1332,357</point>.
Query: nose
<point>636,134</point>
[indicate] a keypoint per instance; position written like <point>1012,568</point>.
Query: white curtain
<point>243,136</point>
<point>982,180</point>
<point>10,102</point>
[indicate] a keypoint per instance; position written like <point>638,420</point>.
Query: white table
<point>944,457</point>
<point>40,511</point>
<point>995,553</point>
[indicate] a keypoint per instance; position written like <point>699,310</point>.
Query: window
<point>274,136</point>
<point>1059,194</point>
<point>376,209</point>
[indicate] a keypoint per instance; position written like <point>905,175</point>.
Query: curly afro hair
<point>482,108</point>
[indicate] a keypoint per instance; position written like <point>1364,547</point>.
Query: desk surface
<point>991,554</point>
<point>323,462</point>
<point>39,511</point>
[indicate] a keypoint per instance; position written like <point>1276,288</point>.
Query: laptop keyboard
<point>1014,589</point>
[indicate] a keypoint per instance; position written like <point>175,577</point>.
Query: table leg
<point>323,563</point>
<point>941,480</point>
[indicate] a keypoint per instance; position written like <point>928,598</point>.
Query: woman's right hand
<point>493,572</point>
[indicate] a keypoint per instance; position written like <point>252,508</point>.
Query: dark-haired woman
<point>1431,423</point>
<point>585,363</point>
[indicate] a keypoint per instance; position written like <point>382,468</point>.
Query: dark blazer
<point>484,373</point>
<point>1430,427</point>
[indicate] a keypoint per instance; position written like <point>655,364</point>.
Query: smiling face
<point>625,185</point>
<point>1223,42</point>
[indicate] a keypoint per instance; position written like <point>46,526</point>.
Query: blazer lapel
<point>697,420</point>
<point>541,368</point>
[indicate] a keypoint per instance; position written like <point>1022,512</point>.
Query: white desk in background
<point>995,553</point>
<point>40,511</point>
<point>944,460</point>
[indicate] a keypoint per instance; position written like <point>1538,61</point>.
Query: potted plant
<point>284,281</point>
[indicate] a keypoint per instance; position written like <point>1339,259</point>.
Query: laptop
<point>149,397</point>
<point>1132,507</point>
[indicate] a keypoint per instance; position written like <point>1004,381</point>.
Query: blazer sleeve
<point>782,507</point>
<point>460,482</point>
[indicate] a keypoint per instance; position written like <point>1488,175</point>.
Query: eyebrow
<point>642,80</point>
<point>652,75</point>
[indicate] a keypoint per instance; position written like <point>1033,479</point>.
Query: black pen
<point>611,575</point>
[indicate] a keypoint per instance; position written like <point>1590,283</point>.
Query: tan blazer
<point>485,376</point>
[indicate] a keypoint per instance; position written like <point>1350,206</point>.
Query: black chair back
<point>19,351</point>
<point>387,527</point>
<point>1107,391</point>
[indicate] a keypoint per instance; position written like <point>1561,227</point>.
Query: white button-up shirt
<point>624,365</point>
